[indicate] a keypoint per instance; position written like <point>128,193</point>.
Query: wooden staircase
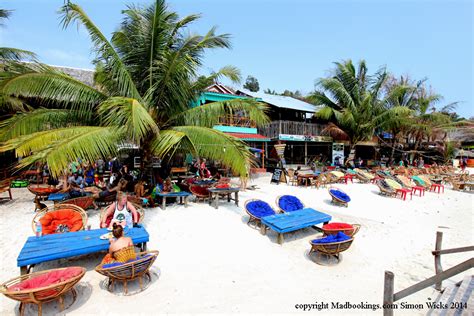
<point>456,300</point>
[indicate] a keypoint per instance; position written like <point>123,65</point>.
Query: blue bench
<point>59,246</point>
<point>296,220</point>
<point>181,195</point>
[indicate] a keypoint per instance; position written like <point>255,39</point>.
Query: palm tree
<point>351,100</point>
<point>146,82</point>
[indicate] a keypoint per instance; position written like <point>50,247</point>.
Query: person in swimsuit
<point>121,209</point>
<point>121,248</point>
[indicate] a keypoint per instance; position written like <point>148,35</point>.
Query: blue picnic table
<point>58,246</point>
<point>181,195</point>
<point>291,221</point>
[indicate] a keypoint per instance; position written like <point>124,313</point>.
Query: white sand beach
<point>210,261</point>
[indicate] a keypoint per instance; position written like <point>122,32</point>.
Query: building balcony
<point>236,120</point>
<point>276,128</point>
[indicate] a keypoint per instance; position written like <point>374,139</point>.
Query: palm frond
<point>61,146</point>
<point>73,13</point>
<point>24,123</point>
<point>16,54</point>
<point>129,114</point>
<point>52,88</point>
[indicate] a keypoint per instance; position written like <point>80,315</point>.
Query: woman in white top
<point>121,209</point>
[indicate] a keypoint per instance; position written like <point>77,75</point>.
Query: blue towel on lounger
<point>290,203</point>
<point>260,209</point>
<point>116,264</point>
<point>340,236</point>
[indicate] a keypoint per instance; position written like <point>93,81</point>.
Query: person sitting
<point>168,186</point>
<point>121,248</point>
<point>121,209</point>
<point>75,185</point>
<point>110,191</point>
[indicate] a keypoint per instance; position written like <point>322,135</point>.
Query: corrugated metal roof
<point>282,101</point>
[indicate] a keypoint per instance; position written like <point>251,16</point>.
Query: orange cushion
<point>51,220</point>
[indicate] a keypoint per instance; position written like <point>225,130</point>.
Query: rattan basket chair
<point>338,200</point>
<point>83,202</point>
<point>330,249</point>
<point>129,271</point>
<point>41,295</point>
<point>42,190</point>
<point>277,201</point>
<point>348,231</point>
<point>200,191</point>
<point>254,217</point>
<point>59,207</point>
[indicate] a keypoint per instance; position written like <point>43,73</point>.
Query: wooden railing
<point>275,128</point>
<point>389,297</point>
<point>236,120</point>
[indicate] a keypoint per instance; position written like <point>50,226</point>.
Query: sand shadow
<point>83,290</point>
<point>322,259</point>
<point>133,287</point>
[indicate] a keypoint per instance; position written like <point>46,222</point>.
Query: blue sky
<point>288,44</point>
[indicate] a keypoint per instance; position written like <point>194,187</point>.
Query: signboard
<point>278,176</point>
<point>305,138</point>
<point>338,154</point>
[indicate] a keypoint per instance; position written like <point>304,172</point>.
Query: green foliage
<point>252,84</point>
<point>351,100</point>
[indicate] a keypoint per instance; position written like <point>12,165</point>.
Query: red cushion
<point>46,279</point>
<point>51,220</point>
<point>337,226</point>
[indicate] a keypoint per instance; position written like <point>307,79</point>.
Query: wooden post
<point>437,259</point>
<point>388,293</point>
<point>263,154</point>
<point>305,153</point>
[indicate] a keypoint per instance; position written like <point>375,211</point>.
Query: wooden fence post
<point>388,293</point>
<point>437,259</point>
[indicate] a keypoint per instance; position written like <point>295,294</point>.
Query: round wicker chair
<point>83,202</point>
<point>59,207</point>
<point>42,190</point>
<point>339,200</point>
<point>348,231</point>
<point>330,249</point>
<point>129,271</point>
<point>254,218</point>
<point>41,295</point>
<point>140,211</point>
<point>277,201</point>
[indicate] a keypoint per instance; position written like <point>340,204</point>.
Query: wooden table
<point>59,246</point>
<point>296,220</point>
<point>181,195</point>
<point>306,178</point>
<point>214,194</point>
